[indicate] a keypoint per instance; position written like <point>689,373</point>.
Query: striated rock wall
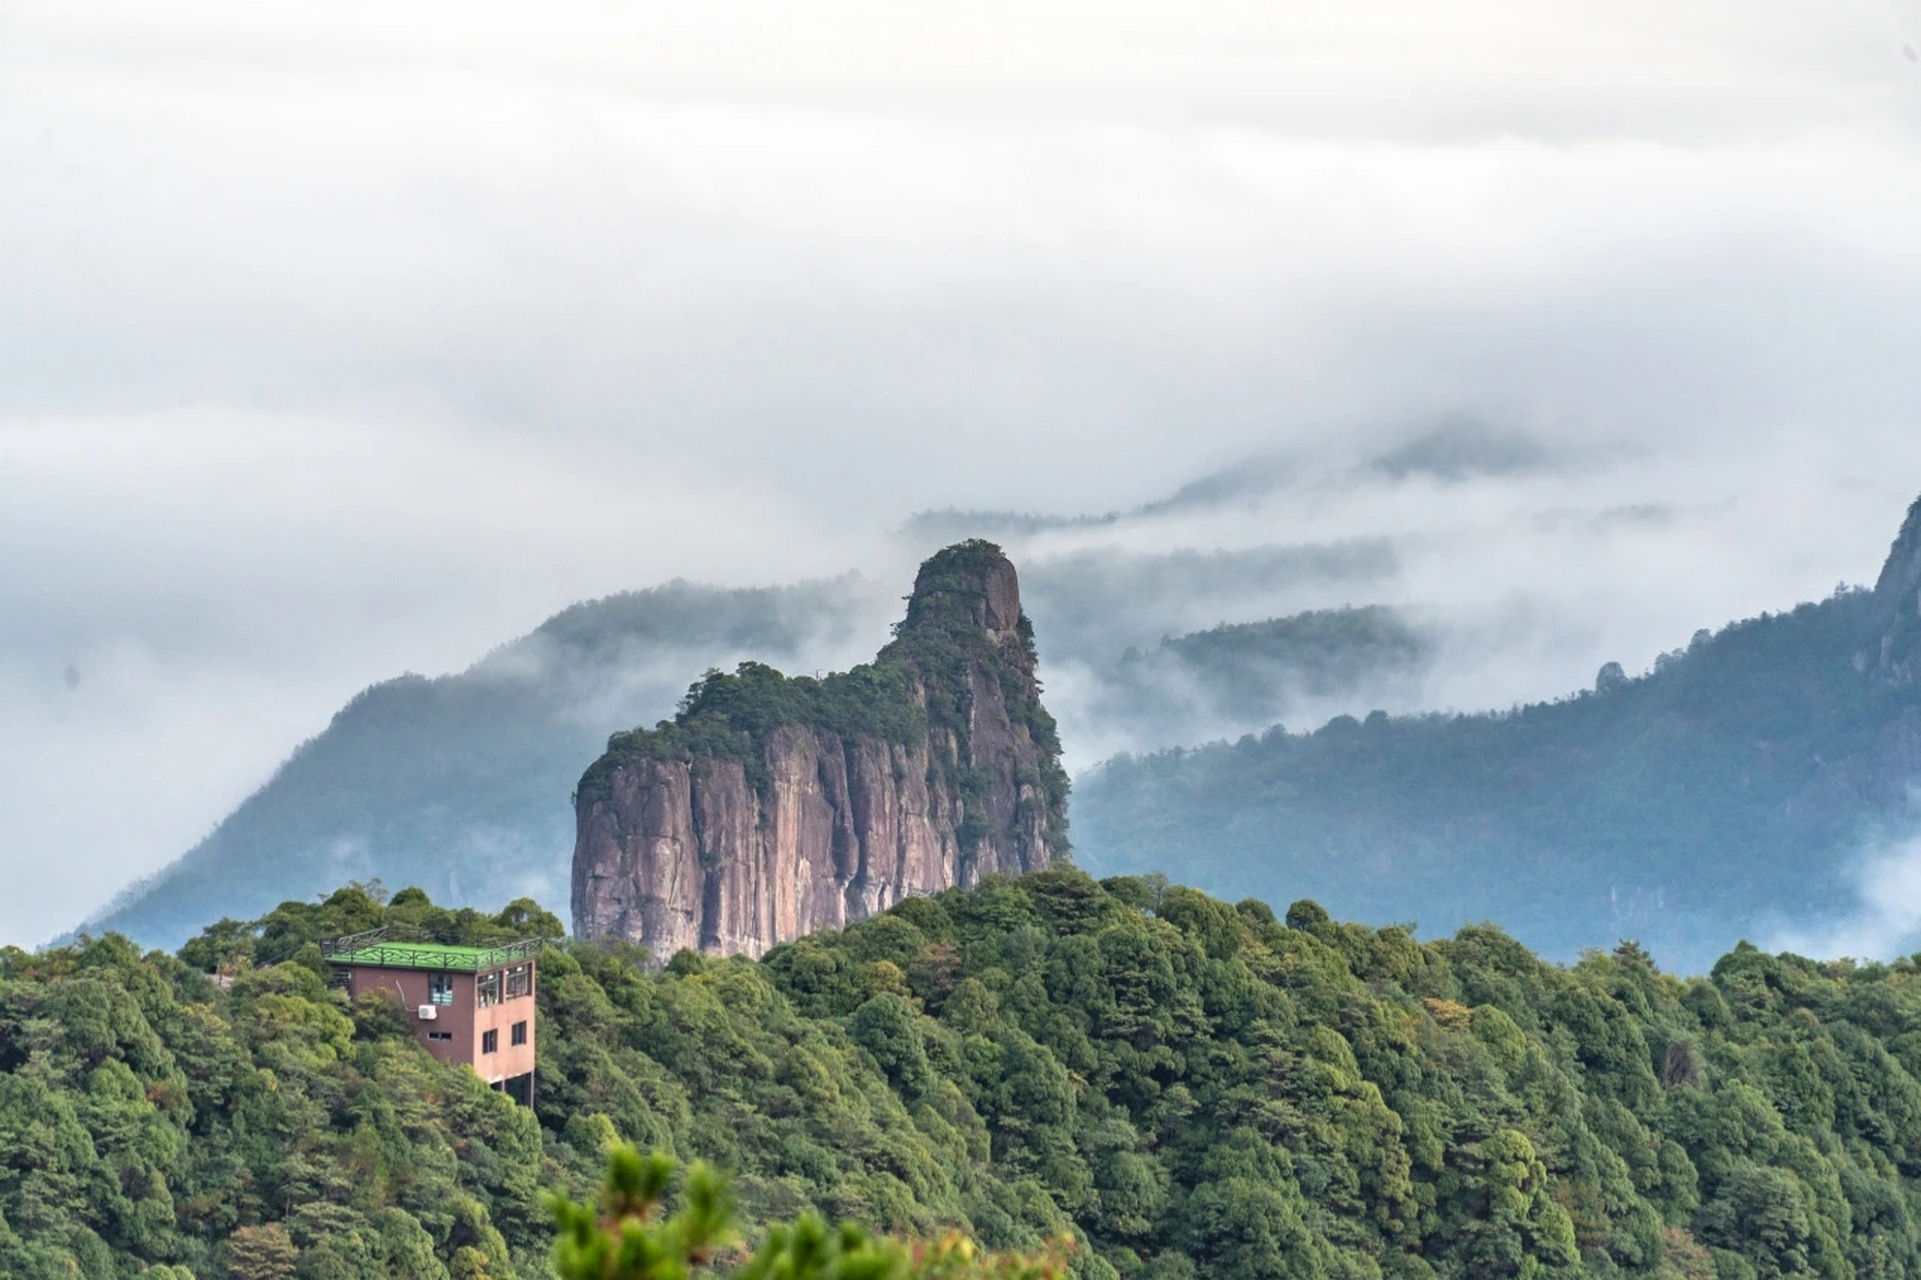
<point>741,825</point>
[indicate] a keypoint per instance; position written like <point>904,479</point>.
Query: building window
<point>520,1033</point>
<point>490,1042</point>
<point>520,981</point>
<point>440,1035</point>
<point>440,988</point>
<point>489,989</point>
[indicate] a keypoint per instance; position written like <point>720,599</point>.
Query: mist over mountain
<point>1509,563</point>
<point>1734,791</point>
<point>1242,677</point>
<point>313,381</point>
<point>1289,590</point>
<point>460,784</point>
<point>1096,604</point>
<point>1453,449</point>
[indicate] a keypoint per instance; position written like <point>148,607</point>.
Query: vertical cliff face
<point>771,806</point>
<point>1897,607</point>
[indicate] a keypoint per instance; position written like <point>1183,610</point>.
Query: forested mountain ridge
<point>1743,778</point>
<point>1196,1089</point>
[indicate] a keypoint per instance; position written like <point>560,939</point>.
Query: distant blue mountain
<point>1728,793</point>
<point>461,785</point>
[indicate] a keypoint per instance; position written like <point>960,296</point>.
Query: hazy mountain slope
<point>462,784</point>
<point>1720,795</point>
<point>1091,605</point>
<point>1232,678</point>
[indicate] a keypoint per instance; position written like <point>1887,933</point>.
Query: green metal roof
<point>391,953</point>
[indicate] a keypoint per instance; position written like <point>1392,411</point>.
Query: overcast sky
<point>357,339</point>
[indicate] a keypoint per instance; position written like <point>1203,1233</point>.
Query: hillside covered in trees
<point>1736,790</point>
<point>1197,1089</point>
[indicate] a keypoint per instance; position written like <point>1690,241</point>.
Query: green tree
<point>265,1252</point>
<point>626,1235</point>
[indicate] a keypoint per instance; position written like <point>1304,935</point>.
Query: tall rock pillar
<point>773,805</point>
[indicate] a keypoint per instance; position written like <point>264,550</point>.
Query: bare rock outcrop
<point>1894,656</point>
<point>772,806</point>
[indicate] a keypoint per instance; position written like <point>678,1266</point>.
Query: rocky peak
<point>1901,575</point>
<point>1896,635</point>
<point>773,805</point>
<point>970,583</point>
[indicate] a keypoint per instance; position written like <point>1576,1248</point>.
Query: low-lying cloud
<point>344,342</point>
<point>1886,925</point>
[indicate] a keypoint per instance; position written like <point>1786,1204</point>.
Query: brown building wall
<point>509,1060</point>
<point>463,1022</point>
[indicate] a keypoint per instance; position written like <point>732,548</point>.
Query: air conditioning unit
<point>428,1013</point>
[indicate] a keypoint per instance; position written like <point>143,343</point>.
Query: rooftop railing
<point>393,947</point>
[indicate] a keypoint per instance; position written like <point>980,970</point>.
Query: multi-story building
<point>466,1004</point>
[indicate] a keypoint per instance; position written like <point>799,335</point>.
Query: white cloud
<point>347,339</point>
<point>1888,921</point>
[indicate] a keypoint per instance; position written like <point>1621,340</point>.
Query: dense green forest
<point>634,1230</point>
<point>1196,1089</point>
<point>1688,807</point>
